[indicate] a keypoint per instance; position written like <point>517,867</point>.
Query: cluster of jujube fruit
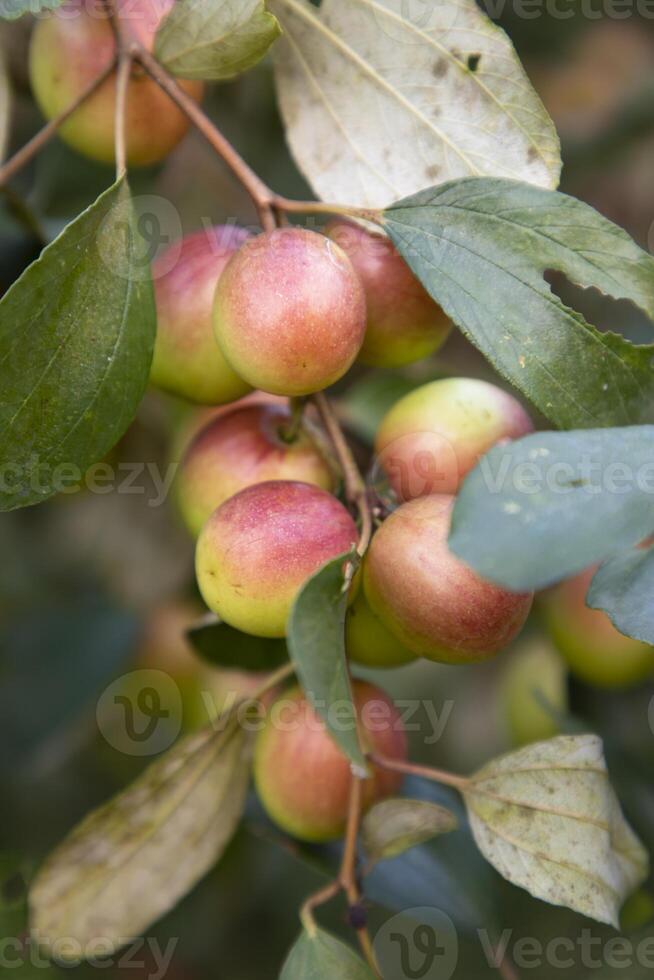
<point>261,319</point>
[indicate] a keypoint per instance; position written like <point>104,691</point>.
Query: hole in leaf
<point>607,314</point>
<point>473,61</point>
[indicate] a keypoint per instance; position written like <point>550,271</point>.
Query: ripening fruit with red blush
<point>259,548</point>
<point>404,324</point>
<point>595,651</point>
<point>290,312</point>
<point>430,440</point>
<point>71,46</point>
<point>302,777</point>
<point>429,599</point>
<point>187,360</point>
<point>240,448</point>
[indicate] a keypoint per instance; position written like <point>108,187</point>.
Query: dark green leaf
<point>11,9</point>
<point>547,506</point>
<point>316,643</point>
<point>624,588</point>
<point>215,39</point>
<point>76,337</point>
<point>132,860</point>
<point>481,246</point>
<point>394,826</point>
<point>323,957</point>
<point>223,646</point>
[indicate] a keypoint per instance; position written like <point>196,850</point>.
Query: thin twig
<point>507,970</point>
<point>122,86</point>
<point>348,871</point>
<point>25,154</point>
<point>423,772</point>
<point>355,487</point>
<point>320,207</point>
<point>256,188</point>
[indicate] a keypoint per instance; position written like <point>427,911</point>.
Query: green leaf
<point>547,819</point>
<point>76,338</point>
<point>215,39</point>
<point>624,588</point>
<point>360,82</point>
<point>547,506</point>
<point>223,646</point>
<point>481,247</point>
<point>394,826</point>
<point>12,9</point>
<point>316,643</point>
<point>132,860</point>
<point>321,956</point>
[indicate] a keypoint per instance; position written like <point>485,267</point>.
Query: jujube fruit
<point>404,324</point>
<point>240,448</point>
<point>302,777</point>
<point>187,360</point>
<point>259,548</point>
<point>432,602</point>
<point>593,648</point>
<point>430,439</point>
<point>72,46</point>
<point>290,312</point>
<point>368,642</point>
<point>534,692</point>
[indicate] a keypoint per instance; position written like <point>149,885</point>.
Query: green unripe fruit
<point>434,436</point>
<point>187,360</point>
<point>534,692</point>
<point>289,312</point>
<point>593,648</point>
<point>72,46</point>
<point>429,599</point>
<point>240,448</point>
<point>368,642</point>
<point>302,777</point>
<point>259,548</point>
<point>404,324</point>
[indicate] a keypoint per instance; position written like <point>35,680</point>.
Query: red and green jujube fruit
<point>187,360</point>
<point>593,648</point>
<point>404,324</point>
<point>430,440</point>
<point>368,642</point>
<point>302,777</point>
<point>259,548</point>
<point>71,46</point>
<point>243,447</point>
<point>534,692</point>
<point>429,599</point>
<point>290,312</point>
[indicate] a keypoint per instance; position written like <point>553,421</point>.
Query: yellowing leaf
<point>382,98</point>
<point>215,39</point>
<point>131,861</point>
<point>547,819</point>
<point>395,826</point>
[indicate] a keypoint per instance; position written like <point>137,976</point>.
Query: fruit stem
<point>289,431</point>
<point>122,85</point>
<point>348,872</point>
<point>355,487</point>
<point>422,772</point>
<point>23,156</point>
<point>261,195</point>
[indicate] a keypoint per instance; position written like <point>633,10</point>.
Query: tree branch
<point>25,154</point>
<point>122,86</point>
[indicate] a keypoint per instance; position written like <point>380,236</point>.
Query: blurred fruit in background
<point>533,691</point>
